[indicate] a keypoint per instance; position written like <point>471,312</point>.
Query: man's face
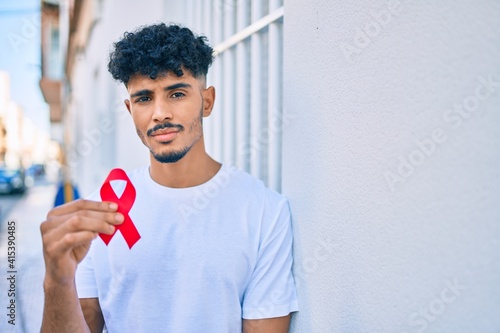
<point>168,113</point>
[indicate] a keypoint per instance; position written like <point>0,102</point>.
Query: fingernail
<point>119,217</point>
<point>113,205</point>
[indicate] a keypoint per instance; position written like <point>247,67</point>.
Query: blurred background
<point>378,120</point>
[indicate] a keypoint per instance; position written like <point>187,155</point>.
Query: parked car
<point>12,181</point>
<point>36,170</point>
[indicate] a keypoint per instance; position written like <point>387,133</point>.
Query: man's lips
<point>166,134</point>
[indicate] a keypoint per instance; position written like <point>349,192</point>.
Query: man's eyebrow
<point>147,92</point>
<point>143,92</point>
<point>177,86</point>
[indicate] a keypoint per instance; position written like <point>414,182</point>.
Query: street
<point>21,258</point>
<point>7,202</point>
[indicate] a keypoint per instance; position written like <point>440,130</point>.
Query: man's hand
<point>68,232</point>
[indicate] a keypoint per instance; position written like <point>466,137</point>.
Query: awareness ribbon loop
<point>125,202</point>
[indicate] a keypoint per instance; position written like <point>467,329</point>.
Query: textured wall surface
<point>392,164</point>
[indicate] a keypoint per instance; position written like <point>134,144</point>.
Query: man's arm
<point>67,234</point>
<point>83,316</point>
<point>268,325</point>
<point>62,311</point>
<point>93,314</point>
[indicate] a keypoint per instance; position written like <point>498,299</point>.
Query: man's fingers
<point>56,220</point>
<point>83,204</point>
<point>73,225</point>
<point>108,217</point>
<point>69,229</point>
<point>72,240</point>
<point>84,223</point>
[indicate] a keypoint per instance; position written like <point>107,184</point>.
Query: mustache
<point>151,131</point>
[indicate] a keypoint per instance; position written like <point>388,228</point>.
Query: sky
<point>20,56</point>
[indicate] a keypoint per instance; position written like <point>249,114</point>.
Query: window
<point>55,65</point>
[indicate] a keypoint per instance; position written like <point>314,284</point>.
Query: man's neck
<point>195,168</point>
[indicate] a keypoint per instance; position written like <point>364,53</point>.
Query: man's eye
<point>178,95</point>
<point>142,99</point>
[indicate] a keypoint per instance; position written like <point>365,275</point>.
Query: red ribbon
<point>125,202</point>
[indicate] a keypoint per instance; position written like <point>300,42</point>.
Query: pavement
<point>28,270</point>
<point>7,201</point>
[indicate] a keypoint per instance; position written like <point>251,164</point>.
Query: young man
<point>223,266</point>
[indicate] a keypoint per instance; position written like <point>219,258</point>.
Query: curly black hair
<point>158,49</point>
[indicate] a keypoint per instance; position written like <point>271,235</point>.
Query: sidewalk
<point>28,213</point>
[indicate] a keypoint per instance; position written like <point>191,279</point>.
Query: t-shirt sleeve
<point>86,285</point>
<point>85,281</point>
<point>271,292</point>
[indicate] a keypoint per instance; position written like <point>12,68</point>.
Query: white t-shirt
<point>208,256</point>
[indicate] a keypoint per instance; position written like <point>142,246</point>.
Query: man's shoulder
<point>244,182</point>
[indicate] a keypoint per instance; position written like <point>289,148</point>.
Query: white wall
<point>373,256</point>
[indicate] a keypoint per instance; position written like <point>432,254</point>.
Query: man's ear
<point>208,100</point>
<point>127,104</point>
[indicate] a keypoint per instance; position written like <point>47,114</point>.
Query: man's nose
<point>162,111</point>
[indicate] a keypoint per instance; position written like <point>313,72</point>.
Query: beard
<point>171,157</point>
<point>175,156</point>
